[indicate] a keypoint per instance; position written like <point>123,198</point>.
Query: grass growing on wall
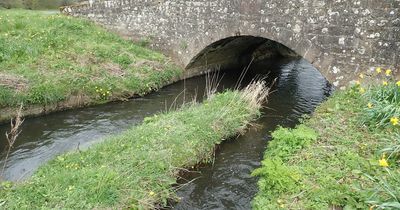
<point>137,168</point>
<point>46,59</point>
<point>346,156</point>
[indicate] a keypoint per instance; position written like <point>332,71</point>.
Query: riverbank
<point>345,156</point>
<point>137,168</point>
<point>54,62</point>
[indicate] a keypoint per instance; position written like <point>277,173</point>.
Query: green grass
<point>45,59</point>
<point>137,168</point>
<point>332,159</point>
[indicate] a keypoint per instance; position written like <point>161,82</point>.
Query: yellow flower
<point>388,72</point>
<point>151,193</point>
<point>361,76</point>
<point>362,90</point>
<point>398,83</point>
<point>385,83</point>
<point>394,120</point>
<point>383,162</point>
<point>370,105</point>
<point>378,70</point>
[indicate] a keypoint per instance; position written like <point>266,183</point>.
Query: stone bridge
<point>341,38</point>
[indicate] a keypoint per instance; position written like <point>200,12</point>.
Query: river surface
<point>225,184</point>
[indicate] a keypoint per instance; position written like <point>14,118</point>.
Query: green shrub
<point>276,177</point>
<point>288,141</point>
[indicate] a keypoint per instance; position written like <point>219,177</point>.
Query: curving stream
<point>227,183</point>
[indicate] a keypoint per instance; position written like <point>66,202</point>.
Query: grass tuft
<point>137,168</point>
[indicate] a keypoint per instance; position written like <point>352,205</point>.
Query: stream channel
<point>225,184</point>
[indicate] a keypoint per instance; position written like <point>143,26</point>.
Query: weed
<point>13,135</point>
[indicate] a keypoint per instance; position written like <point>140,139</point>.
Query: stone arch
<point>239,50</point>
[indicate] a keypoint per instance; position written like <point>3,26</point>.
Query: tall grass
<point>137,168</point>
<point>384,104</point>
<point>382,113</point>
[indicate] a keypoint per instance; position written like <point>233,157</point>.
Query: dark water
<point>224,185</point>
<point>227,183</point>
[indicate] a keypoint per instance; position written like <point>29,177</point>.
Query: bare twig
<point>13,135</point>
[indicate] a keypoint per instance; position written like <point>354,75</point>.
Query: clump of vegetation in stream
<point>347,155</point>
<point>137,168</point>
<point>45,59</point>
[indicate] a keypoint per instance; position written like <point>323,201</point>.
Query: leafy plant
<point>287,141</point>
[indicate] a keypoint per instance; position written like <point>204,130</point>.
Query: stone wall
<point>341,38</point>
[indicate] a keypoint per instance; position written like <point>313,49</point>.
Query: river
<point>225,184</point>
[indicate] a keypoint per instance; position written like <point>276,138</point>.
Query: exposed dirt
<point>114,69</point>
<point>19,84</point>
<point>85,60</point>
<point>152,64</point>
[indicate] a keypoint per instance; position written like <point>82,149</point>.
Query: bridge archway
<point>236,52</point>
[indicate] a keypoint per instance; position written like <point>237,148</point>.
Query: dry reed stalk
<point>13,134</point>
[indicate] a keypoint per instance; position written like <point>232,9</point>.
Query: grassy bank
<point>47,59</point>
<point>137,168</point>
<point>346,156</point>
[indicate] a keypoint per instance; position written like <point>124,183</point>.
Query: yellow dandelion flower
<point>388,72</point>
<point>383,162</point>
<point>394,120</point>
<point>362,90</point>
<point>398,83</point>
<point>385,83</point>
<point>370,105</point>
<point>151,193</point>
<point>378,70</point>
<point>361,76</point>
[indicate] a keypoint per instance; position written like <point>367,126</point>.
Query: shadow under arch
<point>237,52</point>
